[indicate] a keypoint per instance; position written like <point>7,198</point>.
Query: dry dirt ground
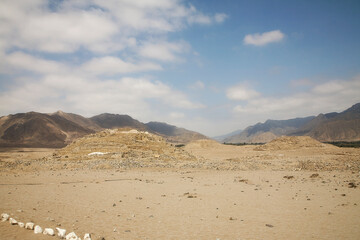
<point>302,191</point>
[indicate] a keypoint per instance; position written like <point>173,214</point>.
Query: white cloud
<point>91,96</point>
<point>113,65</point>
<point>265,38</point>
<point>220,17</point>
<point>21,61</point>
<point>101,26</point>
<point>163,51</point>
<point>329,87</point>
<point>241,92</point>
<point>326,97</point>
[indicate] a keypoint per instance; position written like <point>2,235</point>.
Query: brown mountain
<point>40,130</point>
<point>174,134</point>
<point>344,126</point>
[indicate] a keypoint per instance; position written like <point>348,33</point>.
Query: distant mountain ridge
<point>343,126</point>
<point>58,129</point>
<point>265,132</point>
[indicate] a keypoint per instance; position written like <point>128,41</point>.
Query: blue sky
<point>209,66</point>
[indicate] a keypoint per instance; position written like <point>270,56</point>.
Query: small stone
<point>72,236</point>
<point>289,177</point>
<point>21,224</point>
<point>87,236</point>
<point>49,231</point>
<point>269,225</point>
<point>13,221</point>
<point>29,225</point>
<point>315,175</point>
<point>37,229</point>
<point>352,185</point>
<point>4,217</point>
<point>61,232</point>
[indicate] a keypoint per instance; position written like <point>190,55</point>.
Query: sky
<point>205,65</point>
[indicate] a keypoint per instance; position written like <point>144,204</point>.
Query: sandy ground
<point>173,203</point>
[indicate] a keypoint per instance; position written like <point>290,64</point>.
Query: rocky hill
<point>42,130</point>
<point>117,144</point>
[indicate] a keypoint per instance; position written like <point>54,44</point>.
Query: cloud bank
<point>94,56</point>
<point>333,95</point>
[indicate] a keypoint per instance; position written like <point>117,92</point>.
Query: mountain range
<point>330,127</point>
<point>58,129</point>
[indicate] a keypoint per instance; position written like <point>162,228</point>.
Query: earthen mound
<point>122,145</point>
<point>292,143</point>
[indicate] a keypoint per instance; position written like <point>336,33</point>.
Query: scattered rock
<point>37,229</point>
<point>289,177</point>
<point>4,217</point>
<point>352,185</point>
<point>49,231</point>
<point>87,236</point>
<point>21,224</point>
<point>61,232</point>
<point>269,225</point>
<point>72,236</point>
<point>13,221</point>
<point>29,225</point>
<point>314,175</point>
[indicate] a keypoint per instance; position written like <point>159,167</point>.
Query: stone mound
<point>292,143</point>
<point>203,143</point>
<point>116,144</point>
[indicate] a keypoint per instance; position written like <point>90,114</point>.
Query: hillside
<point>111,121</point>
<point>174,134</point>
<point>265,132</point>
<point>344,126</point>
<point>41,130</point>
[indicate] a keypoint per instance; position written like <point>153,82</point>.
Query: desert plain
<point>140,187</point>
